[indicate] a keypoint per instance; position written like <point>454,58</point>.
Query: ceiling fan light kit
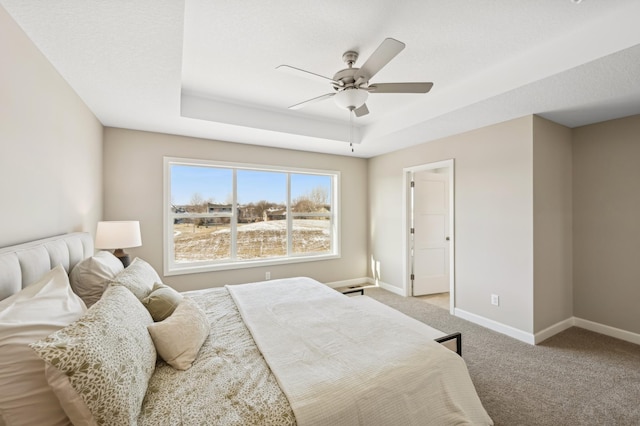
<point>351,85</point>
<point>351,98</point>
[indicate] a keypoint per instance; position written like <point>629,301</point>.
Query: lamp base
<point>124,257</point>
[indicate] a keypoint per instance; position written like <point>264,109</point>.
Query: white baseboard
<point>553,330</point>
<point>496,326</point>
<point>617,333</point>
<point>534,339</point>
<point>393,289</point>
<point>607,330</point>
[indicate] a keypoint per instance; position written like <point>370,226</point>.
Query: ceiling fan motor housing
<point>346,76</point>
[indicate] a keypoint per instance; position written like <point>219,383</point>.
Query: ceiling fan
<point>351,85</point>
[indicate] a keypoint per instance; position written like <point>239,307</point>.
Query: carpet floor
<point>576,377</point>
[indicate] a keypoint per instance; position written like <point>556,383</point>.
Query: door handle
<point>447,238</point>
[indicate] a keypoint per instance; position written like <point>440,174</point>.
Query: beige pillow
<point>178,338</point>
<point>162,301</point>
<point>90,277</point>
<point>99,366</point>
<point>32,314</point>
<point>139,278</point>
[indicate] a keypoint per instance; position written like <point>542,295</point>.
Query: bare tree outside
<point>304,204</point>
<point>197,204</point>
<point>320,196</point>
<point>262,206</point>
<point>313,202</point>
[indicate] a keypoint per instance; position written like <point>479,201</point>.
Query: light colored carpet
<point>439,299</point>
<point>577,377</point>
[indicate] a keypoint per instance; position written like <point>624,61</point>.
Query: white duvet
<point>346,363</point>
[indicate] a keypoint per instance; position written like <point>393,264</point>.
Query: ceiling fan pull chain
<point>351,129</point>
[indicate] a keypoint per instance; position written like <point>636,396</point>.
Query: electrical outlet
<point>267,275</point>
<point>495,300</point>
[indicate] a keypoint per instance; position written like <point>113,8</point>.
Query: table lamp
<point>118,235</point>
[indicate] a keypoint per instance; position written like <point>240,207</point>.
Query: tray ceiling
<point>208,68</point>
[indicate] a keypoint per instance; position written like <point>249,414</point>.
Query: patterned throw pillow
<point>99,366</point>
<point>139,277</point>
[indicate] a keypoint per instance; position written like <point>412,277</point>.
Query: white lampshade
<point>351,98</point>
<point>118,235</point>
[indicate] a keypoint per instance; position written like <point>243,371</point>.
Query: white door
<point>430,233</point>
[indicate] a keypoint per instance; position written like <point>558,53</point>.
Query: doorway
<point>429,214</point>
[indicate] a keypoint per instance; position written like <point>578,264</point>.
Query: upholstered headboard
<point>23,264</point>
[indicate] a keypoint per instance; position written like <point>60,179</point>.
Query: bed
<point>85,341</point>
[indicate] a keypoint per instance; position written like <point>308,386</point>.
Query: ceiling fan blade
<point>360,111</point>
<point>400,87</point>
<point>309,74</point>
<point>387,50</point>
<point>312,100</point>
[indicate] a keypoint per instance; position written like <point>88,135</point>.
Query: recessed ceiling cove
<point>209,69</point>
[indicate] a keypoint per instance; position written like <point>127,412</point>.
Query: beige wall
<point>520,189</point>
<point>606,238</point>
<point>133,168</point>
<point>50,146</point>
<point>493,217</point>
<point>552,224</point>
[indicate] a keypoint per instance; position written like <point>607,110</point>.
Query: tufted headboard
<point>23,264</point>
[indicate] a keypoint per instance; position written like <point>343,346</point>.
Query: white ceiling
<point>207,68</point>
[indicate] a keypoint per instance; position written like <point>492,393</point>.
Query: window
<point>224,216</point>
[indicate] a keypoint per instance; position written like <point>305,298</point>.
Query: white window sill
<point>196,268</point>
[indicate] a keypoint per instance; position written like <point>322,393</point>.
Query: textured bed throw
<point>340,363</point>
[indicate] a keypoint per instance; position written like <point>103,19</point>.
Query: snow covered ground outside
<point>255,240</point>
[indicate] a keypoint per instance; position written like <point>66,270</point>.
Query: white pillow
<point>178,339</point>
<point>89,278</point>
<point>32,314</point>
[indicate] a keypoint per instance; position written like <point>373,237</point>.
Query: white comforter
<point>342,363</point>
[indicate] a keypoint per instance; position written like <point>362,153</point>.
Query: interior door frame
<point>449,165</point>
